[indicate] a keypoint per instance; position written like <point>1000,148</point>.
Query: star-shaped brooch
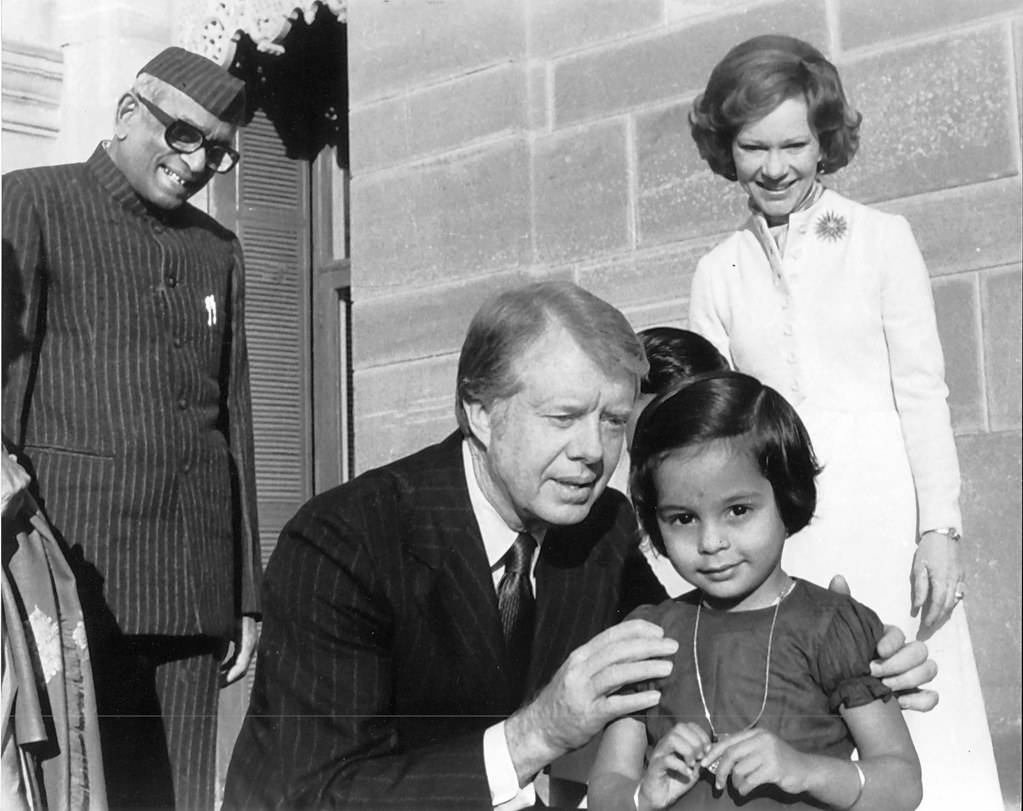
<point>830,226</point>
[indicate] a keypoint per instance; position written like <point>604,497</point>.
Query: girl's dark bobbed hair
<point>752,80</point>
<point>732,407</point>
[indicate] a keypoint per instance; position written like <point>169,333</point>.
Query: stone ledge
<point>32,81</point>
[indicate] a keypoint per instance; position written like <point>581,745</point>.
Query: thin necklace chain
<point>767,662</point>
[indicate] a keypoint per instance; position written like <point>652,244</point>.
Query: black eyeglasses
<point>187,138</point>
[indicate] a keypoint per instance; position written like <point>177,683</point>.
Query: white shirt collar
<point>498,537</point>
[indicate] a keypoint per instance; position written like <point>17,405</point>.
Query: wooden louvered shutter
<point>272,220</point>
<point>266,202</point>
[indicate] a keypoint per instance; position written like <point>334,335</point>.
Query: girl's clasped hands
<point>751,758</point>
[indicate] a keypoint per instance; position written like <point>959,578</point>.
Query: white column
<point>104,43</point>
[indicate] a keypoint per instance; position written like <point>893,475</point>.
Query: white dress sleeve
<point>707,300</point>
<point>918,378</point>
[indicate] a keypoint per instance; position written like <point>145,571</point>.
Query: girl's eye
<point>679,519</point>
<point>561,420</point>
<point>740,510</point>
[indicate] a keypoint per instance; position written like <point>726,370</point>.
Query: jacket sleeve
<point>23,281</point>
<point>321,730</point>
<point>240,441</point>
<point>705,303</point>
<point>918,378</point>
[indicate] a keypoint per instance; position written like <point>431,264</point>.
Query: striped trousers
<point>157,703</point>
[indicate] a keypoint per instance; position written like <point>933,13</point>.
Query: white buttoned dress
<point>842,324</point>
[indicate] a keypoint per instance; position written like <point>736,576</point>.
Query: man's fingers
<point>236,672</point>
<point>627,703</point>
<point>613,677</point>
<point>626,645</point>
<point>912,678</point>
<point>904,658</point>
<point>892,641</point>
<point>624,630</point>
<point>918,700</point>
<point>840,585</point>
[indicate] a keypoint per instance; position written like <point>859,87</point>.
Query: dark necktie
<point>516,606</point>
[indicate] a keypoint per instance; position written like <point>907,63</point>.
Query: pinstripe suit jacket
<point>381,661</point>
<point>128,394</point>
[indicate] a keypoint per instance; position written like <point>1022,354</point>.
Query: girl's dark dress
<point>823,644</point>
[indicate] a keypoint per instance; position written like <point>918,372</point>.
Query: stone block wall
<point>495,141</point>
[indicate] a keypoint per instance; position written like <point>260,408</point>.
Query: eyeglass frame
<point>168,121</point>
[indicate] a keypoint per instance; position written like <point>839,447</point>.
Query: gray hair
<point>509,322</point>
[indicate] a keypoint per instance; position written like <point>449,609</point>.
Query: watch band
<point>951,532</point>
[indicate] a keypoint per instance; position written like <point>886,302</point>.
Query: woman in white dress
<point>829,302</point>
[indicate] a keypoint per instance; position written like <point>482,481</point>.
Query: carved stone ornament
<point>211,27</point>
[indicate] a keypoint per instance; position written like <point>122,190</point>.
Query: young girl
<point>770,689</point>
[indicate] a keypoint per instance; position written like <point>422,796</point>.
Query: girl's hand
<point>756,757</point>
<point>935,578</point>
<point>674,766</point>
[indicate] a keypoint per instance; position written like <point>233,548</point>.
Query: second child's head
<point>722,473</point>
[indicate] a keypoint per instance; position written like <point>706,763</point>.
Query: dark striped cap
<point>201,79</point>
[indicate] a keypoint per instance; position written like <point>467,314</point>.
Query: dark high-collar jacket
<point>381,660</point>
<point>126,389</point>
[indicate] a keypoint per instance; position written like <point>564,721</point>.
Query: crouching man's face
<point>552,445</point>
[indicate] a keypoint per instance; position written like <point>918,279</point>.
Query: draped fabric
<point>51,754</point>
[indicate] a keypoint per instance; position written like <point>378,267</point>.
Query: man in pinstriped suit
<point>383,679</point>
<point>127,394</point>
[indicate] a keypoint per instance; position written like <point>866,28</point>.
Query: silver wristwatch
<point>951,532</point>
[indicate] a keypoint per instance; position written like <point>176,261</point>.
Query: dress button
<point>172,281</point>
<point>791,357</point>
<point>158,229</point>
<point>178,343</point>
<point>788,329</point>
<point>182,403</point>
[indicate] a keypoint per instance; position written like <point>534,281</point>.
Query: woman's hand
<point>756,757</point>
<point>936,578</point>
<point>674,766</point>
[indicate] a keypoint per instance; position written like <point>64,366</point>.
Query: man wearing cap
<point>126,393</point>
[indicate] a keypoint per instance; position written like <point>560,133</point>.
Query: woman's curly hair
<point>753,79</point>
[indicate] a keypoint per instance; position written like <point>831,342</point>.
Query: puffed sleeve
<point>918,377</point>
<point>706,303</point>
<point>846,647</point>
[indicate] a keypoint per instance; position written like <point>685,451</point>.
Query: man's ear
<point>127,109</point>
<point>480,421</point>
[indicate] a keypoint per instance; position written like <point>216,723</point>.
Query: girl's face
<point>776,159</point>
<point>720,524</point>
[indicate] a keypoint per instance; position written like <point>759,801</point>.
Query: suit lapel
<point>577,590</point>
<point>457,588</point>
